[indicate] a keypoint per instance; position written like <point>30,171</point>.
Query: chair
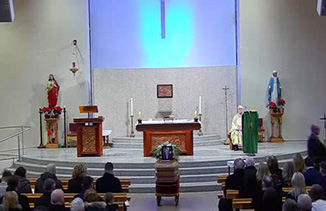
<point>261,130</point>
<point>72,135</point>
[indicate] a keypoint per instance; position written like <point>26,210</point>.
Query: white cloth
<point>319,205</point>
<point>274,97</point>
<point>236,130</point>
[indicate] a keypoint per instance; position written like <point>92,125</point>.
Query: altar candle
<point>131,106</point>
<point>199,105</point>
<point>196,117</point>
<point>139,115</point>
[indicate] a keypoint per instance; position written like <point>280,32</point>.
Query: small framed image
<point>167,153</point>
<point>164,91</point>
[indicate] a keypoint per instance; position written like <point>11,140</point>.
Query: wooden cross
<point>163,19</point>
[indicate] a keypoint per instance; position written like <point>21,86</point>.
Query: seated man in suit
<point>249,180</point>
<point>235,180</point>
<point>108,183</point>
<point>312,176</point>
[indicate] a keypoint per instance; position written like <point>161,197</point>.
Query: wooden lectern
<point>89,133</point>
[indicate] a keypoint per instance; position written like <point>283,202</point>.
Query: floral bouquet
<point>51,112</point>
<point>281,102</point>
<point>157,152</point>
<point>272,105</point>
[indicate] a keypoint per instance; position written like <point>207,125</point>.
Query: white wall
<point>35,45</point>
<point>289,36</point>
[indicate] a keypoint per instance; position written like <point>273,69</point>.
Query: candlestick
<point>132,133</point>
<point>131,106</point>
<point>139,115</point>
<point>199,105</point>
<point>200,132</point>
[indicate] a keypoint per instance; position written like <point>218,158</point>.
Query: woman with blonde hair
<point>287,173</point>
<point>262,171</point>
<point>298,186</point>
<point>298,163</point>
<point>78,174</point>
<point>10,201</point>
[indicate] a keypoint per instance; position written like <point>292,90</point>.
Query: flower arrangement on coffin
<point>157,152</point>
<point>51,112</point>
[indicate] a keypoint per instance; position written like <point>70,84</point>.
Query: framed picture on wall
<point>164,91</point>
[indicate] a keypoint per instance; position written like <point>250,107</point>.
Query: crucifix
<point>226,88</point>
<point>163,19</point>
<point>324,120</point>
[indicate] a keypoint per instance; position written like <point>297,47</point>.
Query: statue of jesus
<point>52,88</point>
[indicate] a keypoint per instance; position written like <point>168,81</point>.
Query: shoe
<point>235,148</point>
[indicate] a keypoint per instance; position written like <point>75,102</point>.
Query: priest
<point>236,129</point>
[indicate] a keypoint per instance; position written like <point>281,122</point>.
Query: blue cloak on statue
<point>271,89</point>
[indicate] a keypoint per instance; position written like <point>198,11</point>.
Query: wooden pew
<point>232,194</point>
<point>221,178</point>
<point>242,203</point>
<point>67,205</point>
<point>125,184</point>
<point>288,189</point>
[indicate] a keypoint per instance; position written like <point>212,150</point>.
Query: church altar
<point>178,132</point>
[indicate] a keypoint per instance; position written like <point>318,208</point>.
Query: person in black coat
<point>45,199</point>
<point>24,186</point>
<point>50,172</point>
<point>13,186</point>
<point>78,174</point>
<point>249,182</point>
<point>235,180</point>
<point>312,176</point>
<point>108,183</point>
<point>86,185</point>
<point>316,149</point>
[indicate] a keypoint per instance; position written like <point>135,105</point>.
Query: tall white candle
<point>199,105</point>
<point>131,106</point>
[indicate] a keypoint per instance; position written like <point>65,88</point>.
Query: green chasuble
<point>250,132</point>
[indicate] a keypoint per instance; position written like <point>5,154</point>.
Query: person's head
<point>10,201</point>
<point>290,205</point>
<point>6,175</point>
<point>272,164</point>
<point>274,73</point>
<point>20,171</point>
<point>322,168</point>
<point>51,169</point>
<point>80,171</point>
<point>12,183</point>
<point>109,167</point>
<point>51,77</point>
<point>266,183</point>
<point>315,130</point>
<point>309,162</point>
<point>240,109</point>
<point>109,198</point>
<point>262,171</point>
<point>288,171</point>
<point>91,196</point>
<point>298,163</point>
<point>57,197</point>
<point>239,163</point>
<point>48,185</point>
<point>271,200</point>
<point>304,202</point>
<point>316,192</point>
<point>87,183</point>
<point>250,161</point>
<point>298,184</point>
<point>77,205</point>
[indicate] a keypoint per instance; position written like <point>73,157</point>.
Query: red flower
<point>50,131</point>
<point>272,105</point>
<point>57,108</point>
<point>46,109</point>
<point>281,102</point>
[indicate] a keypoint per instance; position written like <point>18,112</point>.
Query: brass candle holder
<point>132,132</point>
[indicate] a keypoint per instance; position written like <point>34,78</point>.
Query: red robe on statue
<point>53,93</point>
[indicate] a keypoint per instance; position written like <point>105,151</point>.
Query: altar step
<point>195,176</point>
<point>137,142</point>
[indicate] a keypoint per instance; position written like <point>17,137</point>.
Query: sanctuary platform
<point>198,172</point>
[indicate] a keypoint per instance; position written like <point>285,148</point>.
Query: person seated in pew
<point>92,201</point>
<point>58,201</point>
<point>257,200</point>
<point>316,194</point>
<point>304,202</point>
<point>77,205</point>
<point>298,186</point>
<point>75,184</point>
<point>10,201</point>
<point>45,199</point>
<point>311,175</point>
<point>24,186</point>
<point>109,198</point>
<point>4,182</point>
<point>13,186</point>
<point>249,181</point>
<point>108,183</point>
<point>272,201</point>
<point>50,172</point>
<point>290,205</point>
<point>298,163</point>
<point>287,173</point>
<point>235,180</point>
<point>86,185</point>
<point>262,172</point>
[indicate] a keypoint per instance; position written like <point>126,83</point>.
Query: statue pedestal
<point>52,132</point>
<point>276,122</point>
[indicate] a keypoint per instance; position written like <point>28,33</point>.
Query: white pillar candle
<point>139,115</point>
<point>196,116</point>
<point>199,105</point>
<point>131,106</point>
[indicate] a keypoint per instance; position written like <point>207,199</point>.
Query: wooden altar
<point>276,121</point>
<point>177,132</point>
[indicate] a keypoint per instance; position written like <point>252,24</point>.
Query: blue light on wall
<point>174,50</point>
